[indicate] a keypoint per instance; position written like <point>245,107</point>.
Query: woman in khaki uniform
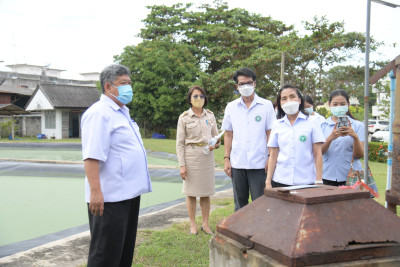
<point>196,127</point>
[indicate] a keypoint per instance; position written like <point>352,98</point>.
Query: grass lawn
<point>175,247</point>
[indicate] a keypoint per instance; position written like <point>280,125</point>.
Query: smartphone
<point>343,121</point>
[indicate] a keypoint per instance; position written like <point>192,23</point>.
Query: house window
<point>50,119</point>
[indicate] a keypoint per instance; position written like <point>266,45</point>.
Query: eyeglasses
<point>248,83</point>
<point>197,96</point>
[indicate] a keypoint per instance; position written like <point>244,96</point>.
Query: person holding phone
<point>344,140</point>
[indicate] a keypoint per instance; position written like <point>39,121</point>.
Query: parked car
<point>377,125</point>
<point>381,136</point>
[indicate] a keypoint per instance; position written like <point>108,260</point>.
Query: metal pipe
<point>366,90</point>
<point>390,145</point>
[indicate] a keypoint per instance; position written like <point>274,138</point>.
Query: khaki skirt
<point>200,180</point>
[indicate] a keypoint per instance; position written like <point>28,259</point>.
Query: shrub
<point>373,152</point>
<point>323,112</point>
<point>171,133</point>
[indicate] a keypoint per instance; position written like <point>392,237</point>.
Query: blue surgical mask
<point>125,93</point>
<point>309,111</point>
<point>339,110</point>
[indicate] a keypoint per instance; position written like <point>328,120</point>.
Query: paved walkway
<point>72,251</point>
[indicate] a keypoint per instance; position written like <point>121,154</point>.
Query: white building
<point>35,70</point>
<point>61,107</point>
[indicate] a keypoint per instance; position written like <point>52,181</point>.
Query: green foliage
<point>222,41</point>
<point>5,128</point>
<point>205,45</point>
<point>385,102</point>
<point>323,112</point>
<point>373,151</point>
<point>325,45</point>
<point>171,133</point>
<point>161,73</point>
<point>357,112</point>
<point>98,86</point>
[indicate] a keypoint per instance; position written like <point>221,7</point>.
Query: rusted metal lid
<point>315,226</point>
<point>319,194</point>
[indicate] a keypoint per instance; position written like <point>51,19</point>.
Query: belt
<point>196,144</point>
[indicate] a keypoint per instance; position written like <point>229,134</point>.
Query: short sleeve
<point>359,129</point>
<point>96,129</point>
<point>318,135</point>
<point>273,138</point>
<point>226,122</point>
<point>271,116</point>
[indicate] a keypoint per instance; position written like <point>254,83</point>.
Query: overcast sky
<point>83,35</point>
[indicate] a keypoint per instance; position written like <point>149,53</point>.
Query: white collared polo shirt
<point>295,164</point>
<point>112,137</point>
<point>249,126</point>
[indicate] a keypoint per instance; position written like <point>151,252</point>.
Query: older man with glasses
<point>116,171</point>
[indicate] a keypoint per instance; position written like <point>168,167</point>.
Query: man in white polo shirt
<point>116,171</point>
<point>247,124</point>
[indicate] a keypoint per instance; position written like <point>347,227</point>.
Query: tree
<point>325,46</point>
<point>161,73</point>
<point>222,41</point>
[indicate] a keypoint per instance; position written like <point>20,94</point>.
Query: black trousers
<point>114,234</point>
<point>276,184</point>
<point>334,183</point>
<point>244,180</point>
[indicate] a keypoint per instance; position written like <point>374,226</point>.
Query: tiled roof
<point>69,96</point>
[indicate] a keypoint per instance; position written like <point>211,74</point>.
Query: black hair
<point>281,113</point>
<point>246,72</point>
<point>341,92</point>
<point>190,92</point>
<point>308,99</point>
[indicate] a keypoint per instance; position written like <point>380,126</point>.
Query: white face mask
<point>291,107</point>
<point>246,90</point>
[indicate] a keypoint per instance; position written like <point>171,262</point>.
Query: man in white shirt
<point>116,171</point>
<point>247,124</point>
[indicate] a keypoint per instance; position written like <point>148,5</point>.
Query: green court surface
<point>38,199</point>
<point>36,206</point>
<point>73,155</point>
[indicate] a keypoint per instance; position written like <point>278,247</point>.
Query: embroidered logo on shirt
<point>258,118</point>
<point>302,138</point>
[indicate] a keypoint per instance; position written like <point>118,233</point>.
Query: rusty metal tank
<point>314,226</point>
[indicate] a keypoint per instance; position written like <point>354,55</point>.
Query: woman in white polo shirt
<point>295,143</point>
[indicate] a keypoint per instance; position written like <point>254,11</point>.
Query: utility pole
<point>282,69</point>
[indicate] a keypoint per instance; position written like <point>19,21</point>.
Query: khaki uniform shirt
<point>194,130</point>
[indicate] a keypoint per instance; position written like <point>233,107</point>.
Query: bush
<point>323,112</point>
<point>373,151</point>
<point>5,128</point>
<point>171,133</point>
